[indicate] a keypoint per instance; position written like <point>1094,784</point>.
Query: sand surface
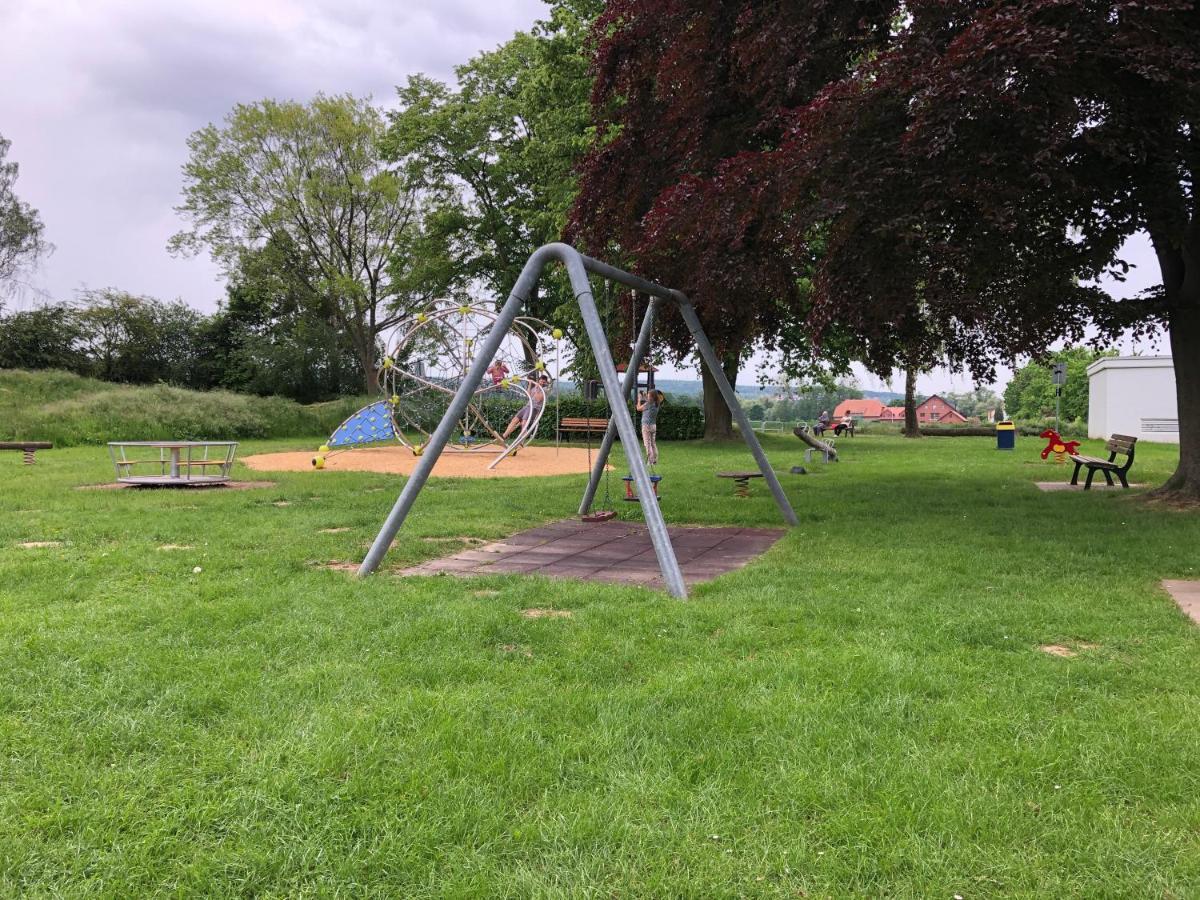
<point>528,462</point>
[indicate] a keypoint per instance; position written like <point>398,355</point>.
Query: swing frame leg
<point>629,383</point>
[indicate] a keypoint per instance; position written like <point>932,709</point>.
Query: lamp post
<point>1060,378</point>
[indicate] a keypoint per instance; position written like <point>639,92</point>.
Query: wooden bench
<point>1118,445</point>
<point>27,447</point>
<point>581,425</point>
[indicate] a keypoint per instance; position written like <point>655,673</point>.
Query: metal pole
<point>714,366</point>
<point>458,406</point>
<point>610,433</point>
<point>620,413</point>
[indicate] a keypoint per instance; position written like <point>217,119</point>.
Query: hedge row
<point>675,423</point>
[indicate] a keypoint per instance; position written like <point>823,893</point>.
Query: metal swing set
<point>620,422</point>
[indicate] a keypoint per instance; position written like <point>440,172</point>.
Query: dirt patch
<point>1058,650</point>
<point>38,545</point>
<point>333,530</point>
<point>547,613</point>
<point>281,503</point>
<point>456,540</point>
<point>517,650</point>
<point>1174,502</point>
<point>226,486</point>
<point>485,593</point>
<point>528,463</point>
<point>337,566</point>
<point>176,547</point>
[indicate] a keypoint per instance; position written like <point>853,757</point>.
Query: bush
<point>675,423</point>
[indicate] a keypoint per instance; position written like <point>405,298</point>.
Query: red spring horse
<point>1056,445</point>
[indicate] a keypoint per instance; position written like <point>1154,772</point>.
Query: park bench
<point>582,425</point>
<point>1118,445</point>
<point>27,447</point>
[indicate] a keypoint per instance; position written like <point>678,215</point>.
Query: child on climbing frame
<point>649,403</point>
<point>498,370</point>
<point>537,399</point>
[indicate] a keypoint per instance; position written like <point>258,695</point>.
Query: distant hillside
<point>70,410</point>
<point>750,390</point>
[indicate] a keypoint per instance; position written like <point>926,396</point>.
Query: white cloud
<point>100,97</point>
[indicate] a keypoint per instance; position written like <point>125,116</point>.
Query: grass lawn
<point>863,711</point>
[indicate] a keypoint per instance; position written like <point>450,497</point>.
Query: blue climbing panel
<point>369,425</point>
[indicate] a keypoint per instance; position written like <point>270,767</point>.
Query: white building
<point>1133,395</point>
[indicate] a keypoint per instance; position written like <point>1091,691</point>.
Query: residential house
<point>940,411</point>
<point>867,409</point>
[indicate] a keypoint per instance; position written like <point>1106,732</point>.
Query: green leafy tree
<point>313,177</point>
<point>45,338</point>
<point>138,340</point>
<point>504,144</point>
<point>272,336</point>
<point>977,402</point>
<point>1030,395</point>
<point>22,235</point>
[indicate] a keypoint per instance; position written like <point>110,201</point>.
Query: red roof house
<point>867,408</point>
<point>936,409</point>
<point>892,414</point>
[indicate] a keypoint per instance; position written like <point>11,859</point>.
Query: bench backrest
<point>587,423</point>
<point>1121,444</point>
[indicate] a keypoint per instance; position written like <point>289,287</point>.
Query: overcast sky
<point>100,95</point>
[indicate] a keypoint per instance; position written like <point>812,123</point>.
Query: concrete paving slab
<point>1051,486</point>
<point>1187,595</point>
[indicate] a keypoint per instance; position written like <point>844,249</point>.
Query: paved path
<point>1187,595</point>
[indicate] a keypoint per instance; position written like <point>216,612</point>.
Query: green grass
<point>863,711</point>
<point>70,410</point>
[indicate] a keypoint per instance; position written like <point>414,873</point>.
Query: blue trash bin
<point>1006,436</point>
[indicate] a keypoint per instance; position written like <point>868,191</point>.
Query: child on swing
<point>649,403</point>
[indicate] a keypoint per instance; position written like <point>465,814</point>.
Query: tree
<point>1030,395</point>
<point>682,87</point>
<point>978,402</point>
<point>313,177</point>
<point>45,338</point>
<point>981,167</point>
<point>505,143</point>
<point>138,340</point>
<point>272,336</point>
<point>22,235</point>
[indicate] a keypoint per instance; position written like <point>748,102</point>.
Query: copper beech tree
<point>681,88</point>
<point>968,170</point>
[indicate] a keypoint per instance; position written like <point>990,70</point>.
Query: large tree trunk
<point>1185,338</point>
<point>366,359</point>
<point>718,420</point>
<point>1180,267</point>
<point>912,428</point>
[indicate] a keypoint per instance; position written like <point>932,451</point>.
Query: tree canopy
<point>503,144</point>
<point>312,178</point>
<point>969,171</point>
<point>22,234</point>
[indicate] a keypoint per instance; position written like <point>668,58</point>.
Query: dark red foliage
<point>682,88</point>
<point>962,178</point>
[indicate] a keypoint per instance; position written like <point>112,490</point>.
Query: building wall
<point>1133,395</point>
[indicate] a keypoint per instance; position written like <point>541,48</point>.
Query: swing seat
<point>599,515</point>
<point>631,497</point>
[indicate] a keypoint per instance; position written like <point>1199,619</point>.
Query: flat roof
<point>1131,362</point>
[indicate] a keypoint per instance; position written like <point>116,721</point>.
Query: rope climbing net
<point>427,361</point>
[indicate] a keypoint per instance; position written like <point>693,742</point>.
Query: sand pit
<point>529,462</point>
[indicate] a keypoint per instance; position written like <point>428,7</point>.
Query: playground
<point>942,681</point>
